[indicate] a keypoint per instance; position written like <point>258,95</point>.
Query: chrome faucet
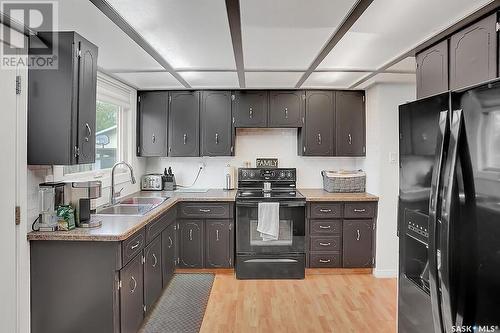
<point>114,195</point>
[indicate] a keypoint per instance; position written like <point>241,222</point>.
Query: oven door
<point>291,232</point>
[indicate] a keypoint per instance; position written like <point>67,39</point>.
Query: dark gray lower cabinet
<point>191,243</point>
<point>169,252</point>
<point>219,243</point>
<point>131,296</point>
<point>358,243</point>
<point>152,272</point>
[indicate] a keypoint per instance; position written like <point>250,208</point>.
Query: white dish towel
<point>268,222</point>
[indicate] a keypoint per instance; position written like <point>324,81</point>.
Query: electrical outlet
<point>393,157</point>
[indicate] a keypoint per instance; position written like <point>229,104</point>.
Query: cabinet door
<point>184,123</point>
<point>286,108</point>
<point>216,127</point>
<point>152,123</point>
<point>87,83</point>
<point>218,246</point>
<point>358,243</point>
<point>318,133</point>
<point>350,123</point>
<point>152,272</point>
<point>191,244</point>
<point>250,108</point>
<point>131,296</point>
<point>473,54</point>
<point>432,70</point>
<point>169,252</point>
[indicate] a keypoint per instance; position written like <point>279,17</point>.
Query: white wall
<point>382,142</point>
<point>250,144</point>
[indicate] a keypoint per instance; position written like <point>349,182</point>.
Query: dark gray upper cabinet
<point>286,108</point>
<point>184,123</point>
<point>169,252</point>
<point>131,296</point>
<point>152,272</point>
<point>216,128</point>
<point>432,70</point>
<point>350,123</point>
<point>473,54</point>
<point>62,103</point>
<point>191,244</point>
<point>152,123</point>
<point>358,243</point>
<point>250,108</point>
<point>317,136</point>
<point>219,243</point>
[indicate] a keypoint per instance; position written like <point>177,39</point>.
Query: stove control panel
<point>257,174</point>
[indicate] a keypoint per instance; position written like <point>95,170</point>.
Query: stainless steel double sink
<point>136,206</point>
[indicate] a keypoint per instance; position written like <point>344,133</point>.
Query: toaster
<point>152,182</point>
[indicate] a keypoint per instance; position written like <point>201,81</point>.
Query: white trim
<point>385,273</point>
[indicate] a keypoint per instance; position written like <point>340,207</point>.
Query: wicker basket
<point>344,181</point>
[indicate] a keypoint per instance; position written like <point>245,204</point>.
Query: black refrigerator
<point>449,212</point>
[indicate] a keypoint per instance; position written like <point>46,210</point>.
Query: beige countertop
<point>120,227</point>
<point>317,194</point>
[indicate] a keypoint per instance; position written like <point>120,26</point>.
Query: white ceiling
<point>280,39</point>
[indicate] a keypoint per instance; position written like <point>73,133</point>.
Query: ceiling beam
<point>348,22</point>
<point>234,18</point>
<point>117,19</point>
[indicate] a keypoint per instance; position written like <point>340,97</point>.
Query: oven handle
<point>282,204</point>
<point>270,260</point>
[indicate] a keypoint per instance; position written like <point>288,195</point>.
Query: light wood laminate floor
<point>320,303</point>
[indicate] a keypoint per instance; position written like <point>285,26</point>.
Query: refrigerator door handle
<point>442,143</point>
<point>444,238</point>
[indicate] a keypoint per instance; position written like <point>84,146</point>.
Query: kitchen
<point>275,160</point>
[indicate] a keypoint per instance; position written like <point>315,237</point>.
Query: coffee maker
<point>50,196</point>
<point>83,195</point>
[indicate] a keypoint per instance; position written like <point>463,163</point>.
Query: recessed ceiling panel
<point>341,80</point>
<point>116,50</point>
<point>211,79</point>
<point>389,78</point>
<point>272,79</point>
<point>389,28</point>
<point>407,64</point>
<point>188,34</point>
<point>151,80</point>
<point>288,34</point>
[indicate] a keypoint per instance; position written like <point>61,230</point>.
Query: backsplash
<point>251,144</point>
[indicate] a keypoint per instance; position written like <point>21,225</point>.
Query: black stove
<point>273,194</point>
<point>267,184</point>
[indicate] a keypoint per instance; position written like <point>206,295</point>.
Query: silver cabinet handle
<point>325,226</point>
<point>325,210</point>
<point>216,138</point>
<point>204,210</point>
<point>250,112</point>
<point>325,244</point>
<point>359,210</point>
<point>156,260</point>
<point>185,138</point>
<point>350,138</point>
<point>89,130</point>
<point>217,235</point>
<point>286,113</point>
<point>323,261</point>
<point>135,285</point>
<point>358,234</point>
<point>135,245</point>
<point>319,138</point>
<point>171,242</point>
<point>190,234</point>
<point>153,138</point>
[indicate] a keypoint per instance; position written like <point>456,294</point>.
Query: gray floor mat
<point>182,305</point>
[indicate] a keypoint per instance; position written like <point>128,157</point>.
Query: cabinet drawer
<point>326,210</point>
<point>132,246</point>
<point>360,210</point>
<point>325,227</point>
<point>325,259</point>
<point>322,243</point>
<point>155,228</point>
<point>206,211</point>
